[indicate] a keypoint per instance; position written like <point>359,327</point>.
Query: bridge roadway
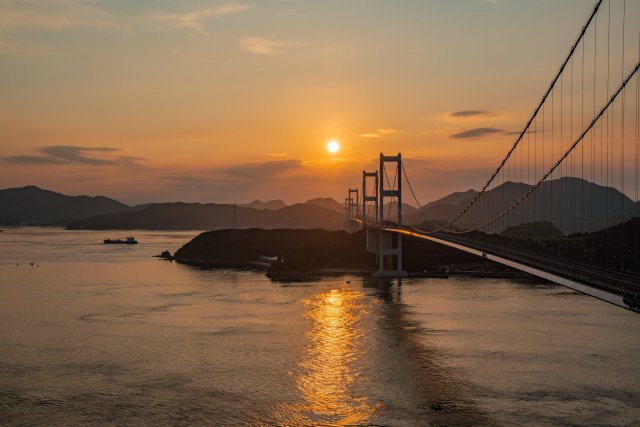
<point>616,287</point>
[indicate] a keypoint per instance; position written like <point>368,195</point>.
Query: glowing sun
<point>333,146</point>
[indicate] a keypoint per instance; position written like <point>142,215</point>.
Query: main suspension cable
<point>530,121</point>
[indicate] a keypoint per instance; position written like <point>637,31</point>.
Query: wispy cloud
<point>476,133</point>
<point>34,160</point>
<point>438,130</point>
<point>468,113</point>
<point>52,14</point>
<point>69,154</point>
<point>194,20</point>
<point>379,133</point>
<point>264,169</point>
<point>265,46</point>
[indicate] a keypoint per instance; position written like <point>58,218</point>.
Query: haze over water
<point>102,334</point>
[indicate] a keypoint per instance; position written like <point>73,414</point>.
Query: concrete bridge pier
<point>389,248</point>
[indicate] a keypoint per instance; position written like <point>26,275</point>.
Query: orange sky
<point>231,101</point>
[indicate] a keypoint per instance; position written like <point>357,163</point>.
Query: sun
<point>333,146</point>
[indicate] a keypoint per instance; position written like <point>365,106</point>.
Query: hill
<point>457,198</point>
<point>615,247</point>
<point>271,205</point>
<point>571,204</point>
<point>442,209</point>
<point>317,248</point>
<point>391,208</point>
<point>213,216</point>
<point>304,252</point>
<point>325,202</point>
<point>34,206</point>
<point>531,230</point>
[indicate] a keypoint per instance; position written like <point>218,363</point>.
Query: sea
<point>94,334</point>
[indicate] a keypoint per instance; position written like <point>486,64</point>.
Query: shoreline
<point>318,273</point>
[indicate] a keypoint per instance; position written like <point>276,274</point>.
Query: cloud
<point>52,14</point>
<point>379,133</point>
<point>78,154</point>
<point>476,133</point>
<point>264,169</point>
<point>264,46</point>
<point>193,20</point>
<point>440,130</point>
<point>33,160</point>
<point>387,131</point>
<point>65,154</point>
<point>468,113</point>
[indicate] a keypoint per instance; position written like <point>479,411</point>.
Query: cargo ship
<point>129,241</point>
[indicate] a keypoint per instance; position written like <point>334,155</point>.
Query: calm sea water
<point>95,334</point>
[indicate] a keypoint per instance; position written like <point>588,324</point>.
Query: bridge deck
<point>616,287</point>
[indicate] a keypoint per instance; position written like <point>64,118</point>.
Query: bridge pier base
<point>390,274</point>
<point>387,251</point>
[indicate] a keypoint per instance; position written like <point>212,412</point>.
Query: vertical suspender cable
<point>622,195</point>
<point>581,254</point>
<point>609,153</point>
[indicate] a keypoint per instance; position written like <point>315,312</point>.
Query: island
<point>298,253</point>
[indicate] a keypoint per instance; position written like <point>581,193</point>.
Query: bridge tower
<point>370,201</point>
<point>353,203</point>
<point>366,199</point>
<point>389,244</point>
<point>350,224</point>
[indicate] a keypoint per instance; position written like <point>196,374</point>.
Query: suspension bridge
<point>575,165</point>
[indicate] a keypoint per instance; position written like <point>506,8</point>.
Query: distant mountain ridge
<point>271,205</point>
<point>213,216</point>
<point>34,206</point>
<point>570,204</point>
<point>456,198</point>
<point>325,202</point>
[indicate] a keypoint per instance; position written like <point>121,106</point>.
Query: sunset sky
<point>214,101</point>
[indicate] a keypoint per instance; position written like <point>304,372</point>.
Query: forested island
<point>297,253</point>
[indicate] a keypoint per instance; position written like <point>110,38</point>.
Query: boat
<point>129,241</point>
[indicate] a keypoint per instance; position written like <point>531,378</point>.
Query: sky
<point>215,101</point>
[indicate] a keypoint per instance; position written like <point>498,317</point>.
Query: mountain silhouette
<point>530,230</point>
<point>571,204</point>
<point>213,216</point>
<point>326,202</point>
<point>268,205</point>
<point>35,206</point>
<point>391,210</point>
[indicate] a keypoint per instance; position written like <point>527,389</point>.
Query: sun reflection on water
<point>329,370</point>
